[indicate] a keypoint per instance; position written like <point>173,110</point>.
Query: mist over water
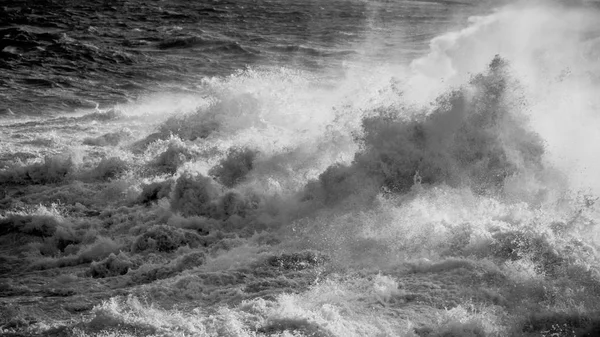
<point>430,178</point>
<point>553,50</point>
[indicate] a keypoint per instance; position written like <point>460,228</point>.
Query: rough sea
<point>62,56</point>
<point>299,168</point>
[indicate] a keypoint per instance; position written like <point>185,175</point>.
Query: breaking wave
<point>451,196</point>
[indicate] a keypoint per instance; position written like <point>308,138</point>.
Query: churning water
<point>307,168</point>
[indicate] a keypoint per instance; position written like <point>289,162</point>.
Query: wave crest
<point>476,136</point>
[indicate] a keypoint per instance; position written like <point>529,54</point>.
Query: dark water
<point>57,56</point>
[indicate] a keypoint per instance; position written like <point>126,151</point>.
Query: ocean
<point>299,168</point>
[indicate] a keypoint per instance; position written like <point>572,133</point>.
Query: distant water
<point>57,56</point>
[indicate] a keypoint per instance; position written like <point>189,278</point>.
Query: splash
<point>553,51</point>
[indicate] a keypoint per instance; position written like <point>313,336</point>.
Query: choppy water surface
<point>306,168</point>
<point>63,55</point>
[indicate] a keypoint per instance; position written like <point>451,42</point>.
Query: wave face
<point>349,168</point>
